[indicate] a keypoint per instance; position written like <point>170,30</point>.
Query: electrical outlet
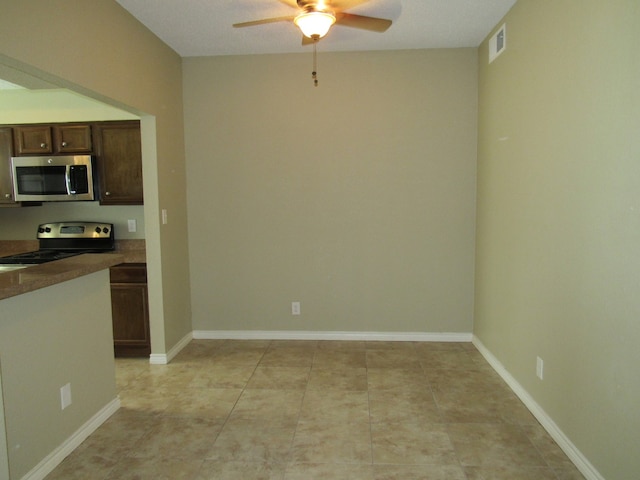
<point>164,216</point>
<point>539,368</point>
<point>65,396</point>
<point>131,223</point>
<point>295,308</point>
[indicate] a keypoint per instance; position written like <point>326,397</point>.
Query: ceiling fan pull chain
<point>314,74</point>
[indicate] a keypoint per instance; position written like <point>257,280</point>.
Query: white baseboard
<point>304,335</point>
<point>578,459</point>
<point>51,461</point>
<point>164,358</point>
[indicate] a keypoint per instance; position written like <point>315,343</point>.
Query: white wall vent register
<point>498,43</point>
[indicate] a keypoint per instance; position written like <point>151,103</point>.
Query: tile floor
<point>301,410</point>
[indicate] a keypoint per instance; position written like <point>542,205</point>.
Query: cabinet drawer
<point>129,273</point>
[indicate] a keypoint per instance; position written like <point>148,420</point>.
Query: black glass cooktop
<point>40,256</point>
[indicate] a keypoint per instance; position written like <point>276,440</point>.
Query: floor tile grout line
<point>236,402</point>
<point>515,425</point>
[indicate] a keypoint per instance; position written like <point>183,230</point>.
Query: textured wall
<point>559,218</point>
<point>356,198</point>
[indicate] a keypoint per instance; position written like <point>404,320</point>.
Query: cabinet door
<point>33,140</point>
<point>119,153</point>
<point>130,319</point>
<point>6,182</point>
<point>130,312</point>
<point>72,138</point>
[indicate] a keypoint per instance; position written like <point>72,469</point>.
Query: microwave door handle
<point>71,187</point>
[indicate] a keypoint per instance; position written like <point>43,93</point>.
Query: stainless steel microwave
<point>53,179</point>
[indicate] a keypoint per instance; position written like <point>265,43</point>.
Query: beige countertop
<point>17,282</point>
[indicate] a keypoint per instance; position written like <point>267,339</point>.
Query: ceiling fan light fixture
<point>315,23</point>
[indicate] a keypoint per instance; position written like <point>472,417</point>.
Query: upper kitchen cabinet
<point>52,139</point>
<point>72,139</point>
<point>6,175</point>
<point>119,158</point>
<point>6,185</point>
<point>116,146</point>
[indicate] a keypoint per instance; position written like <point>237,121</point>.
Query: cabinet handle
<point>7,195</point>
<point>43,145</point>
<point>107,193</point>
<point>64,144</point>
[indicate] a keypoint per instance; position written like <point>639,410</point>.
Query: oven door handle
<point>67,177</point>
<point>71,181</point>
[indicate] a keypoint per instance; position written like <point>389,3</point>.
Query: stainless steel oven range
<point>61,240</point>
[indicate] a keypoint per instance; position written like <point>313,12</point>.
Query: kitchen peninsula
<point>56,359</point>
<point>25,280</point>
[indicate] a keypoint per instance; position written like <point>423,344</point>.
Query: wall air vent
<point>498,42</point>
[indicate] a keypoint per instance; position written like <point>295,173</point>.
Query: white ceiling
<point>204,27</point>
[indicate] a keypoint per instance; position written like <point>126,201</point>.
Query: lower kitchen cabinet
<point>130,310</point>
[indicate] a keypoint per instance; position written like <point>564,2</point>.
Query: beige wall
<point>45,343</point>
<point>559,218</point>
<point>96,48</point>
<point>21,223</point>
<point>54,105</point>
<point>356,198</point>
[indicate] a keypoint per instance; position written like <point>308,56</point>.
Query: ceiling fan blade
<point>264,21</point>
<point>291,3</point>
<point>346,4</point>
<point>365,23</point>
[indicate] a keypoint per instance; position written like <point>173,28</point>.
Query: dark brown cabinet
<point>130,310</point>
<point>116,146</point>
<point>52,139</point>
<point>33,140</point>
<point>119,152</point>
<point>6,175</point>
<point>6,185</point>
<point>72,139</point>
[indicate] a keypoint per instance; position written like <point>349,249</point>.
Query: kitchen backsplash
<point>21,223</point>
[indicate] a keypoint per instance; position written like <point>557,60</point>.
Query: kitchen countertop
<point>17,282</point>
<point>133,251</point>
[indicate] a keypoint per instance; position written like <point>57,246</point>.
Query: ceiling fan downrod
<point>314,73</point>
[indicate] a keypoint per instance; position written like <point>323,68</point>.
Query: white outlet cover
<point>65,396</point>
<point>539,368</point>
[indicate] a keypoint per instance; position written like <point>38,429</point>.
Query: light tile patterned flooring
<point>303,410</point>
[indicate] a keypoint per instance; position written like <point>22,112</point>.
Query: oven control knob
<point>98,229</point>
<point>40,230</point>
<point>105,230</point>
<point>47,229</point>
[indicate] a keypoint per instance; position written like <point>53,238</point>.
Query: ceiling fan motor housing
<point>311,6</point>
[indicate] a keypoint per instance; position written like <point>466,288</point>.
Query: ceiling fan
<point>315,18</point>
